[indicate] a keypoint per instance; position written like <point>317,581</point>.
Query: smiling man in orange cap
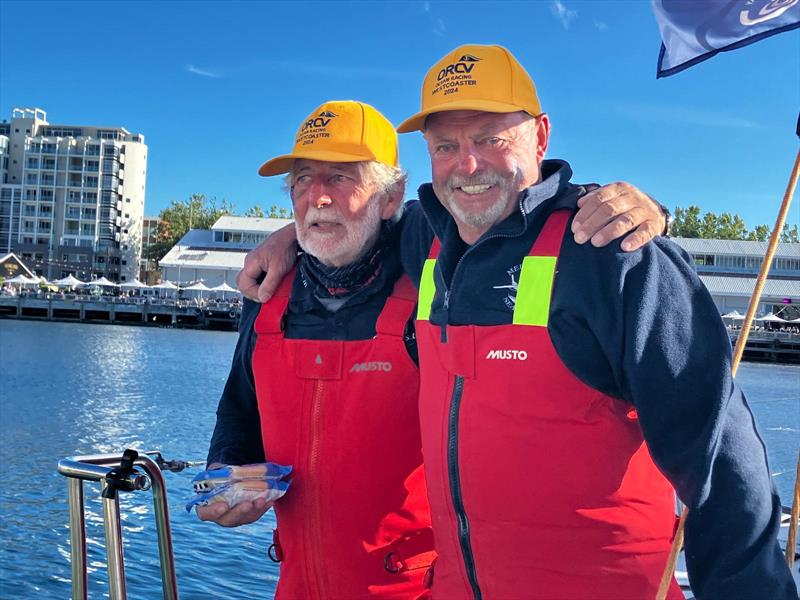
<point>566,389</point>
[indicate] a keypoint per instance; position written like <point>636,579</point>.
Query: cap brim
<point>283,164</point>
<point>417,122</point>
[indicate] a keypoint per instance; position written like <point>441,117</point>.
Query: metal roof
<point>203,259</point>
<point>735,247</point>
<point>743,286</point>
<point>249,224</point>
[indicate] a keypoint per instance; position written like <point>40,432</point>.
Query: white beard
<point>340,248</point>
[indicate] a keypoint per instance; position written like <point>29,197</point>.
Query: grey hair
<point>388,182</point>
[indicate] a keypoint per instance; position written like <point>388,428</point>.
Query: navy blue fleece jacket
<point>638,326</point>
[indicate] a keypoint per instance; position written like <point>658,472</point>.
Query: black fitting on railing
<point>124,477</point>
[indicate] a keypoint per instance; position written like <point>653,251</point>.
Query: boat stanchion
<point>114,554</point>
<point>118,473</point>
<point>77,538</point>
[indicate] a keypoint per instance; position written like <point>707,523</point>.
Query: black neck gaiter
<point>340,282</point>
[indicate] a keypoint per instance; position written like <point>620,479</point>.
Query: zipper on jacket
<point>446,318</point>
<point>455,486</point>
<point>449,291</point>
<point>314,548</point>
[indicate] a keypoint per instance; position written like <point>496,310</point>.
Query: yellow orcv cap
<point>340,131</point>
<point>475,77</point>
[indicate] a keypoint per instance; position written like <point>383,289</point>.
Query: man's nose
<point>318,195</point>
<point>468,159</point>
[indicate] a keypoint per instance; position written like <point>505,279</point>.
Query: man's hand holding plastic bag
<point>237,495</point>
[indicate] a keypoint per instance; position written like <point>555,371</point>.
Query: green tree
<point>708,226</point>
<point>198,212</point>
<point>686,222</point>
<point>273,211</point>
<point>759,234</point>
<point>254,211</point>
<point>730,227</point>
<point>790,234</point>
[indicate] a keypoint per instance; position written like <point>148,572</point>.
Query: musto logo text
<point>508,354</point>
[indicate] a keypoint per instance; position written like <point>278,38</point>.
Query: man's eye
<point>444,148</point>
<point>494,141</point>
<point>339,178</point>
<point>301,179</point>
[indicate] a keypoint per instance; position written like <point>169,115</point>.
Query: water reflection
<point>70,389</point>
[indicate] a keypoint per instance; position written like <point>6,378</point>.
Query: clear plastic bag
<point>239,483</point>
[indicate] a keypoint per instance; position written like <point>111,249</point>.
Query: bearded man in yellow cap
<point>565,390</point>
<point>324,376</point>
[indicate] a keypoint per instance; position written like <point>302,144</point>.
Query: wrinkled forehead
<point>453,122</point>
<point>304,166</point>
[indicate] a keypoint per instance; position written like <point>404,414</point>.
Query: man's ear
<point>542,133</point>
<point>393,202</point>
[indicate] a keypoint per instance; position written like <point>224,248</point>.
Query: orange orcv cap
<point>340,131</point>
<point>475,77</point>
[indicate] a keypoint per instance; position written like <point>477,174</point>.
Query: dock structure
<point>771,346</point>
<point>220,315</point>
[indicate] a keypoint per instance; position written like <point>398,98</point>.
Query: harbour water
<point>69,389</point>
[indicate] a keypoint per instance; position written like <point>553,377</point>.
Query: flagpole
<point>677,542</point>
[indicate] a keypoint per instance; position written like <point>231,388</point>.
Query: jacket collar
<point>549,194</point>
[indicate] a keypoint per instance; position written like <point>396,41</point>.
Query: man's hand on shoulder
<point>241,514</point>
<point>275,256</point>
<point>617,209</point>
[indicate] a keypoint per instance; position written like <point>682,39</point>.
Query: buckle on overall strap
<point>393,563</point>
<point>427,581</point>
<point>411,553</point>
<point>275,552</point>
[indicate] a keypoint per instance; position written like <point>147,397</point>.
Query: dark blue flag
<point>695,30</point>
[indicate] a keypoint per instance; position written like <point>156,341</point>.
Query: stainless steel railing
<point>118,473</point>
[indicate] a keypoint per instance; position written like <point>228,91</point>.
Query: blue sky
<point>217,88</point>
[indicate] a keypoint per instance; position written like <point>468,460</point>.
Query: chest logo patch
<point>510,299</point>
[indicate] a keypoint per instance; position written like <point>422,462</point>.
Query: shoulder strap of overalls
<point>427,285</point>
<point>270,317</point>
<point>398,309</point>
<point>535,287</point>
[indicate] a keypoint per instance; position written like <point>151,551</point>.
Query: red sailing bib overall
<point>540,486</point>
<point>355,522</point>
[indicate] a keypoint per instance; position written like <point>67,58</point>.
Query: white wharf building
<point>729,268</point>
<point>216,255</point>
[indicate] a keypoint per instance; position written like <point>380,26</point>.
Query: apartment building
<point>72,197</point>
